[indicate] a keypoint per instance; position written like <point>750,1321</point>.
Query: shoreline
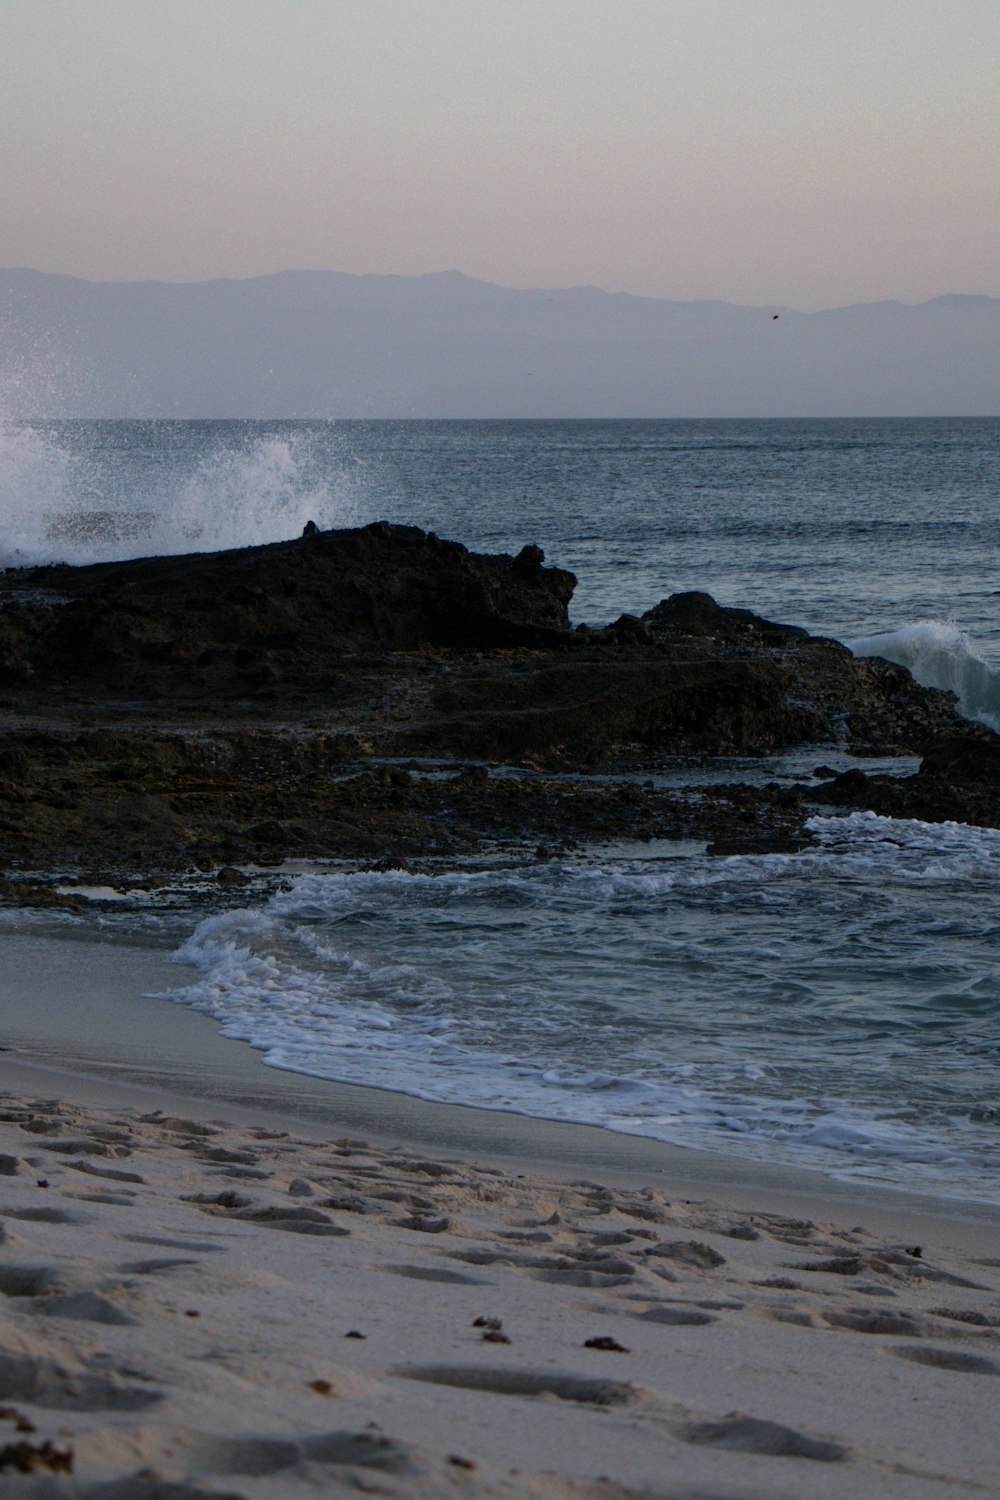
<point>121,1036</point>
<point>459,1303</point>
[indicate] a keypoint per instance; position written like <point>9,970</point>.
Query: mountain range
<point>331,344</point>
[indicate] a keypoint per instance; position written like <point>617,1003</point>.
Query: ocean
<point>837,1008</point>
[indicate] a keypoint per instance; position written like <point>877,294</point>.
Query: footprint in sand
<point>881,1321</point>
<point>436,1273</point>
<point>40,1125</point>
<point>73,1147</point>
<point>204,1246</point>
<point>178,1125</point>
<point>84,1307</point>
<point>111,1174</point>
<point>202,1454</point>
<point>584,1269</point>
<point>120,1200</point>
<point>25,1377</point>
<point>884,1321</point>
<point>351,1203</point>
<point>424,1223</point>
<point>891,1263</point>
<point>967,1315</point>
<point>597,1265</point>
<point>946,1359</point>
<point>519,1382</point>
<point>785,1231</point>
<point>48,1292</point>
<point>298,1220</point>
<point>41,1215</point>
<point>742,1434</point>
<point>241,1174</point>
<point>30,1281</point>
<point>224,1156</point>
<point>693,1253</point>
<point>155,1267</point>
<point>676,1317</point>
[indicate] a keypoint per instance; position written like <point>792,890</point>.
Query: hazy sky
<point>800,152</point>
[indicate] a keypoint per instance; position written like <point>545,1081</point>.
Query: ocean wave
<point>37,476</point>
<point>61,505</point>
<point>938,654</point>
<point>243,496</point>
<point>795,1000</point>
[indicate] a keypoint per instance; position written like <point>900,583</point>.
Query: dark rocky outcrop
<point>958,781</point>
<point>697,616</point>
<point>419,644</point>
<point>970,758</point>
<point>199,624</point>
<point>230,706</point>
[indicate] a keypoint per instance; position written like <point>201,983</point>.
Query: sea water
<point>837,1008</point>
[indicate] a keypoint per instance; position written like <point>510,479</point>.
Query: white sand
<point>178,1300</point>
<point>180,1280</point>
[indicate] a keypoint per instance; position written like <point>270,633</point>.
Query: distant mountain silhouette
<point>327,344</point>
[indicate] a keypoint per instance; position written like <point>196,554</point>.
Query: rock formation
<point>243,705</point>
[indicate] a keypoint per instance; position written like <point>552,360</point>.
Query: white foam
<point>939,654</point>
<point>37,476</point>
<point>244,496</point>
<point>61,505</point>
<point>908,850</point>
<point>626,995</point>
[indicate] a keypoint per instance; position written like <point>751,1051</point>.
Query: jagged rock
<point>958,782</point>
<point>190,712</point>
<point>970,758</point>
<point>236,621</point>
<point>846,789</point>
<point>696,615</point>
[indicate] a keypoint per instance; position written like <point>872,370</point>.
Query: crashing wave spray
<point>61,503</point>
<point>244,496</point>
<point>940,655</point>
<point>37,477</point>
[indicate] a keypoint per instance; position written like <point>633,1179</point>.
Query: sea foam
<point>37,479</point>
<point>939,654</point>
<point>766,999</point>
<point>234,490</point>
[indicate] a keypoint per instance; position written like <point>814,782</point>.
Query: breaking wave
<point>939,654</point>
<point>765,1004</point>
<point>61,504</point>
<point>36,475</point>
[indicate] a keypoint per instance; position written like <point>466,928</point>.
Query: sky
<point>805,153</point>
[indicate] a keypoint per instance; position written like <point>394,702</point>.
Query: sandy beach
<point>219,1279</point>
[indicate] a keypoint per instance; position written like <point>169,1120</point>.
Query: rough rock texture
<point>958,781</point>
<point>228,706</point>
<point>415,644</point>
<point>215,622</point>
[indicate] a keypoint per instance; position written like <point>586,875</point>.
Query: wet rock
<point>223,708</point>
<point>178,624</point>
<point>971,758</point>
<point>846,789</point>
<point>958,781</point>
<point>698,615</point>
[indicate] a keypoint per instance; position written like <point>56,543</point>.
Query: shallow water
<point>838,1007</point>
